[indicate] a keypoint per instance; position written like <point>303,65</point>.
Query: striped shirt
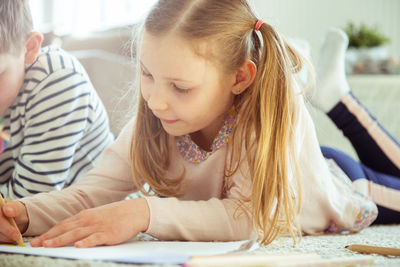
<point>58,127</point>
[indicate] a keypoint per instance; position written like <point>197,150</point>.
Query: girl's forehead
<point>171,55</point>
<point>168,44</point>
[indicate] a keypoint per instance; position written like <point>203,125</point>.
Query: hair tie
<point>258,24</point>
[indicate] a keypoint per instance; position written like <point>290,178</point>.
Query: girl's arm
<point>214,219</point>
<point>108,182</point>
<point>210,220</point>
<point>163,218</point>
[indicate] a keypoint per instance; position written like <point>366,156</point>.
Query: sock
<point>331,83</point>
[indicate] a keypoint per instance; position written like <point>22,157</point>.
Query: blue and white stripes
<point>58,127</point>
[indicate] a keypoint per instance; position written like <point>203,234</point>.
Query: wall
<point>309,19</point>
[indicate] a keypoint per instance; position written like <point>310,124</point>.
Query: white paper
<point>133,251</point>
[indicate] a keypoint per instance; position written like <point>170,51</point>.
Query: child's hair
<point>15,25</point>
<point>267,110</point>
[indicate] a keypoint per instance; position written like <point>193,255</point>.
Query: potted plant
<point>367,49</point>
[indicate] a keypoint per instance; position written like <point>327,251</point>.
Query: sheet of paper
<point>133,251</point>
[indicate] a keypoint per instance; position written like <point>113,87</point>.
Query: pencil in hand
<point>12,222</point>
<point>375,250</point>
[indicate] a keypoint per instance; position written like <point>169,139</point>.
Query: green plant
<point>364,36</point>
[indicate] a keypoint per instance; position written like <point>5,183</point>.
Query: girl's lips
<point>169,121</point>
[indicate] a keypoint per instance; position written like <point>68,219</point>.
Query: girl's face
<point>185,91</point>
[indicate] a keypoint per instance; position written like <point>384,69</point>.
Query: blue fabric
<point>375,165</point>
<point>356,170</point>
<point>367,149</point>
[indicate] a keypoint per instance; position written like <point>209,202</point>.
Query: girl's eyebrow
<point>167,78</point>
<point>143,67</point>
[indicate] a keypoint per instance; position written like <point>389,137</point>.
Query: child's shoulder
<point>58,70</point>
<point>53,59</point>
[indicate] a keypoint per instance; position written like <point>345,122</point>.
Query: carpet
<point>326,246</point>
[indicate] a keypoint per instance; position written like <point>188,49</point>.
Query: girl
<point>222,144</point>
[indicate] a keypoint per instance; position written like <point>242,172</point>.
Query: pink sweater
<point>203,213</point>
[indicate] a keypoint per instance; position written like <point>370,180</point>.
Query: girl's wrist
<point>142,213</point>
<point>23,220</point>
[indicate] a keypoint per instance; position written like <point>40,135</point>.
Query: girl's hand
<point>106,225</point>
<point>17,211</point>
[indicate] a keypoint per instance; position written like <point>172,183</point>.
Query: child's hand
<point>106,225</point>
<point>16,210</point>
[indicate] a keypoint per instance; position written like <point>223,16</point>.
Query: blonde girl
<point>221,145</point>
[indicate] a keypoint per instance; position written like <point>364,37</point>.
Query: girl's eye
<point>180,90</point>
<point>146,74</point>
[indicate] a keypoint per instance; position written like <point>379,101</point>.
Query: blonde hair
<point>267,109</point>
<point>15,25</point>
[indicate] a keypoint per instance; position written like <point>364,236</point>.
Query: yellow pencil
<point>375,250</point>
<point>11,220</point>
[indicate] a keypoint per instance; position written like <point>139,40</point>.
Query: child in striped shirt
<point>57,124</point>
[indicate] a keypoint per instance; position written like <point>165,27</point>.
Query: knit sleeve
<point>328,202</point>
<point>214,219</point>
<point>368,210</point>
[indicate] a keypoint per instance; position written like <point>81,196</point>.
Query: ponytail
<point>270,111</point>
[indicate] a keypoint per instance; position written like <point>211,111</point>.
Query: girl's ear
<point>32,47</point>
<point>244,77</point>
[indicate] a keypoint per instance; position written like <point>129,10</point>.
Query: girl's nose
<point>157,99</point>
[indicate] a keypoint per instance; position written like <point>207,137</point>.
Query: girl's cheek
<point>144,90</point>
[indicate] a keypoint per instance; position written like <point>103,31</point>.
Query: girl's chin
<point>173,132</point>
